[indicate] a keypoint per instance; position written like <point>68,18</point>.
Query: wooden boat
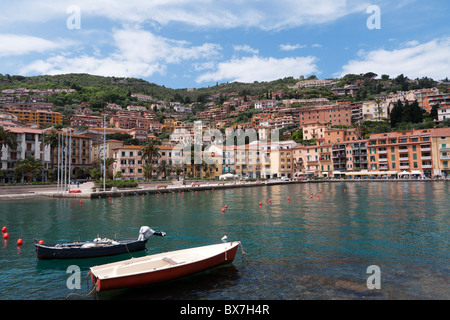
<point>95,248</point>
<point>161,267</point>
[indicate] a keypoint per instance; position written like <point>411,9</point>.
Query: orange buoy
<point>317,196</point>
<point>226,207</point>
<point>109,198</point>
<point>182,192</point>
<point>4,229</point>
<point>269,200</point>
<point>6,236</point>
<point>288,198</point>
<point>223,210</point>
<point>41,242</point>
<point>157,194</point>
<point>334,191</point>
<point>260,203</point>
<point>311,197</point>
<point>81,202</point>
<point>19,242</point>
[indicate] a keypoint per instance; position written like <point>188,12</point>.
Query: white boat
<point>161,267</point>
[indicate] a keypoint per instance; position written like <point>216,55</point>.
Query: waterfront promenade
<point>89,190</point>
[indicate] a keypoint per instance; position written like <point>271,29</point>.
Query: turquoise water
<point>304,248</point>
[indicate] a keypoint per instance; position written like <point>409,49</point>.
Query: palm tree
<point>149,151</point>
<point>8,139</point>
<point>28,166</point>
<point>148,169</point>
<point>108,163</point>
<point>165,167</point>
<point>51,139</point>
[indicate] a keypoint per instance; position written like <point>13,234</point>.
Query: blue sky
<point>198,43</point>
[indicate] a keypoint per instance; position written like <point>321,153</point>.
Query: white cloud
<point>413,60</point>
<point>249,69</point>
<point>137,53</point>
<point>290,47</point>
<point>13,45</point>
<point>245,48</point>
<point>266,15</point>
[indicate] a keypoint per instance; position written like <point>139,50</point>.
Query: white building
<point>375,111</point>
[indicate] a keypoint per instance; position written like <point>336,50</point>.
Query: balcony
<point>404,166</point>
<point>427,166</point>
<point>403,150</point>
<point>382,151</point>
<point>445,157</point>
<point>382,159</point>
<point>424,149</point>
<point>426,157</point>
<point>404,158</point>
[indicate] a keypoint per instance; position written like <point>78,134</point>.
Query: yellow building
<point>440,149</point>
<point>40,117</point>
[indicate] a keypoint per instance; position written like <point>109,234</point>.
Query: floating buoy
<point>317,196</point>
<point>334,191</point>
<point>109,198</point>
<point>195,191</point>
<point>205,191</point>
<point>164,194</point>
<point>6,236</point>
<point>19,242</point>
<point>226,207</point>
<point>345,190</point>
<point>157,194</point>
<point>260,203</point>
<point>173,193</point>
<point>311,197</point>
<point>269,200</point>
<point>182,192</point>
<point>223,210</point>
<point>4,229</point>
<point>288,198</point>
<point>81,202</point>
<point>41,242</point>
<point>142,196</point>
<point>311,193</point>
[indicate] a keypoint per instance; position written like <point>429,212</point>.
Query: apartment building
<point>80,120</point>
<point>441,100</point>
<point>41,118</point>
<point>80,148</point>
<point>408,151</point>
<point>128,162</point>
<point>313,161</point>
<point>440,146</point>
<point>30,143</point>
<point>332,114</point>
<point>374,111</point>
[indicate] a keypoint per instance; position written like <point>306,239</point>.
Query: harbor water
<point>318,244</point>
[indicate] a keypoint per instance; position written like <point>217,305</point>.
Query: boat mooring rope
<point>243,252</point>
<point>82,294</point>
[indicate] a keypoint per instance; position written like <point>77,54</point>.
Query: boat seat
<point>172,262</point>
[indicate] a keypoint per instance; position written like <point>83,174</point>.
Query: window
<point>415,164</point>
<point>393,157</point>
<point>414,156</point>
<point>414,148</point>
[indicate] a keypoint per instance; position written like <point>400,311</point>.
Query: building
<point>79,120</point>
<point>441,100</point>
<point>374,111</point>
<point>128,162</point>
<point>401,152</point>
<point>347,90</point>
<point>30,143</point>
<point>331,114</point>
<point>42,118</point>
<point>81,157</point>
<point>440,146</point>
<point>443,113</point>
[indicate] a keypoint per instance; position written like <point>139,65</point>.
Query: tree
<point>149,151</point>
<point>148,170</point>
<point>8,139</point>
<point>28,166</point>
<point>434,112</point>
<point>396,114</point>
<point>51,139</point>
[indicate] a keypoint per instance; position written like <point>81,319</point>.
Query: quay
<point>89,191</point>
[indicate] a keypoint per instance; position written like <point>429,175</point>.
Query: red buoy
<point>81,202</point>
<point>6,236</point>
<point>223,210</point>
<point>260,203</point>
<point>41,242</point>
<point>19,242</point>
<point>289,198</point>
<point>4,229</point>
<point>226,206</point>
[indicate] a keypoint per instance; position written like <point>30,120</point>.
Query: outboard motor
<point>145,233</point>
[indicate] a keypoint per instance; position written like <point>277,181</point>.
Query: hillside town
<point>294,138</point>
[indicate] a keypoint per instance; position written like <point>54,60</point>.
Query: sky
<point>199,43</point>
